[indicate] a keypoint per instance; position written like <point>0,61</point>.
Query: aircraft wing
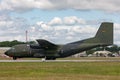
<point>46,44</point>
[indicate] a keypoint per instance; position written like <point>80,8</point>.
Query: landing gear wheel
<point>14,58</point>
<point>51,58</point>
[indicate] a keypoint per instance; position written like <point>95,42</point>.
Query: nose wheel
<point>14,58</point>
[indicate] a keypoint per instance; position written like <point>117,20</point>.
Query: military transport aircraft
<point>50,51</point>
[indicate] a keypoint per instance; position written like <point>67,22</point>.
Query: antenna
<point>26,36</point>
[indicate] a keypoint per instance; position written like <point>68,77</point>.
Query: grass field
<point>60,71</point>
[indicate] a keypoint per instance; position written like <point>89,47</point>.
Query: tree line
<point>12,43</point>
<point>113,49</point>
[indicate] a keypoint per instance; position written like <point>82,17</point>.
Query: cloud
<point>71,20</point>
<point>11,29</point>
<point>59,31</point>
<point>65,33</point>
<point>28,5</point>
<point>43,26</point>
<point>117,33</point>
<point>6,23</point>
<point>55,21</point>
<point>85,29</point>
<point>23,5</point>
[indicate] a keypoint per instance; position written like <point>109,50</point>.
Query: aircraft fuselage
<point>50,51</point>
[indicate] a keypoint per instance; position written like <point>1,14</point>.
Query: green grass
<point>68,58</point>
<point>60,71</point>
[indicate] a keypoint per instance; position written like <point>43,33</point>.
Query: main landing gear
<point>48,58</point>
<point>14,58</point>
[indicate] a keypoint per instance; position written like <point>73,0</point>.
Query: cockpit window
<point>13,49</point>
<point>35,46</point>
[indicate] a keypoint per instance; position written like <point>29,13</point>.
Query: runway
<point>60,61</point>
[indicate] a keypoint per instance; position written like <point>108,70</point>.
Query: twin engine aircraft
<point>50,51</point>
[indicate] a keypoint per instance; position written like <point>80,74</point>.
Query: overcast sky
<point>59,21</point>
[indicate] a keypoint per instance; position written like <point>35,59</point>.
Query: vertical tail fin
<point>105,33</point>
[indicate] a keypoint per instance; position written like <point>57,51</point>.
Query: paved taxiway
<point>60,61</point>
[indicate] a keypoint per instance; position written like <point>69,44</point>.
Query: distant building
<point>102,53</point>
<point>3,49</point>
<point>116,55</point>
<point>82,54</point>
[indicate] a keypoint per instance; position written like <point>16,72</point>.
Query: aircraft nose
<point>6,53</point>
